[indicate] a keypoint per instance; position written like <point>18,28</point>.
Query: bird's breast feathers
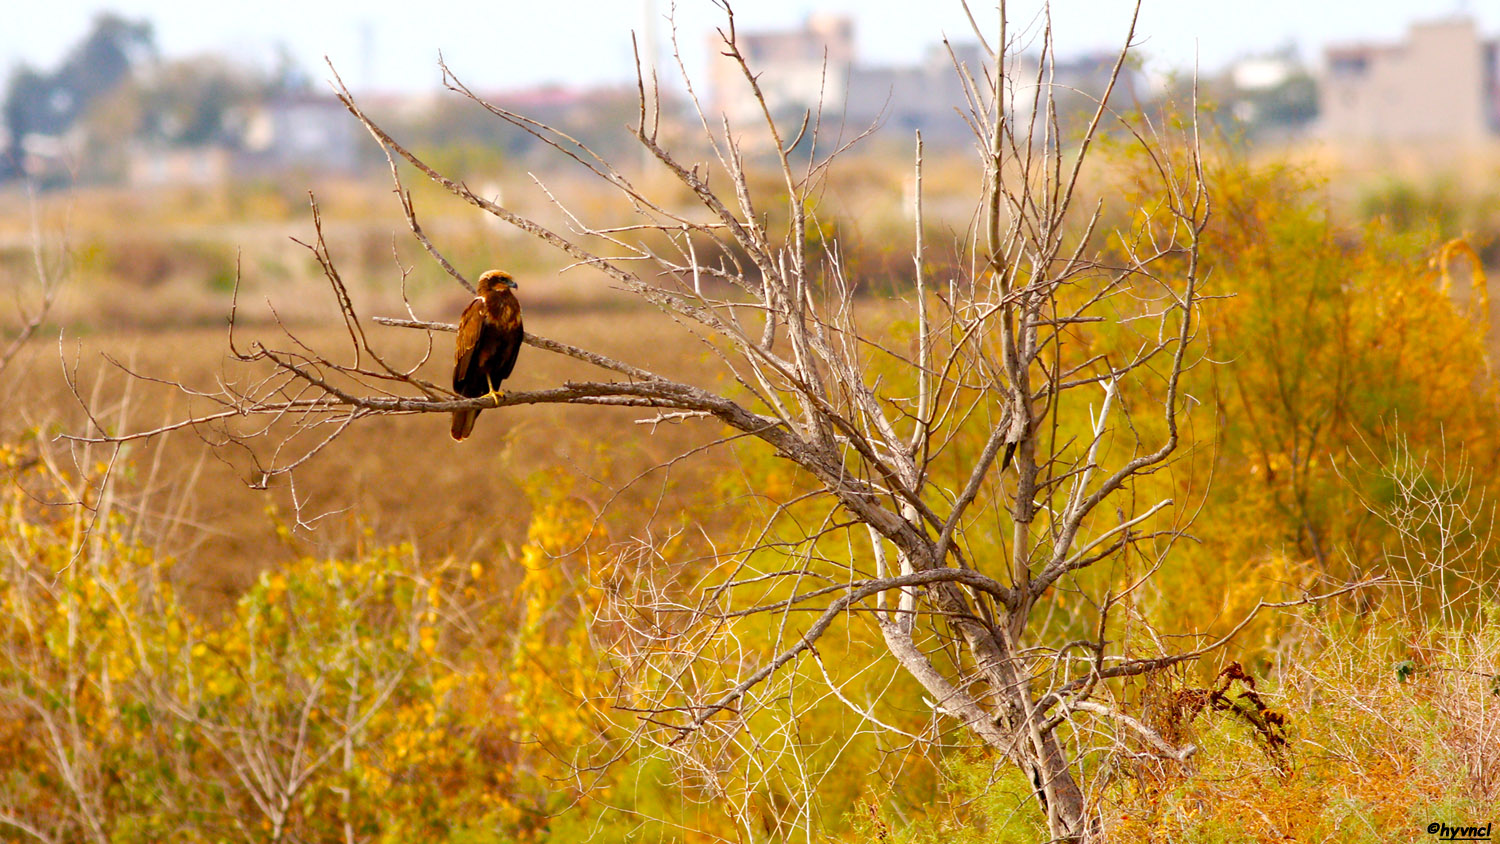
<point>503,311</point>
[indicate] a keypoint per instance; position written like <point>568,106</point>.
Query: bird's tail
<point>463,422</point>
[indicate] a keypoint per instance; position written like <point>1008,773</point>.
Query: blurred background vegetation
<point>184,656</point>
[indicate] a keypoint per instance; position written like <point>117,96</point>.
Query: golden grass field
<point>148,281</point>
<point>396,478</point>
<point>387,480</point>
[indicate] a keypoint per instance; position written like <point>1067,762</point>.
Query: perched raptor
<point>489,337</point>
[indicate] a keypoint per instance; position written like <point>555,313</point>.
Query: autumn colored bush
<point>370,697</point>
<point>1335,339</point>
<point>1343,367</point>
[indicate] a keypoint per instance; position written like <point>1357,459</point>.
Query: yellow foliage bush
<point>1341,371</point>
<point>369,697</point>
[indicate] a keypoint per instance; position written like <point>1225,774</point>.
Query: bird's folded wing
<point>469,327</point>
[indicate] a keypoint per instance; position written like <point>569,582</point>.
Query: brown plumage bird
<point>489,338</point>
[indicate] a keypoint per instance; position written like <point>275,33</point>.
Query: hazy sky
<point>508,44</point>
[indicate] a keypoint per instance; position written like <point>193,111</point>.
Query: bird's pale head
<point>495,280</point>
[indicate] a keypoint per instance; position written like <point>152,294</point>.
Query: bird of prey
<point>489,337</point>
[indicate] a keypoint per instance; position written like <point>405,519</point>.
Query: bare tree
<point>1059,351</point>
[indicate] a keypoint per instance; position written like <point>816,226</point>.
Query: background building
<point>816,69</point>
<point>1438,84</point>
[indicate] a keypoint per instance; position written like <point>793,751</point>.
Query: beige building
<point>1437,85</point>
<point>798,70</point>
<point>815,70</point>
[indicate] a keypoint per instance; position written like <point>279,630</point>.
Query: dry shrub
<point>1391,700</point>
<point>1369,755</point>
<point>1242,703</point>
